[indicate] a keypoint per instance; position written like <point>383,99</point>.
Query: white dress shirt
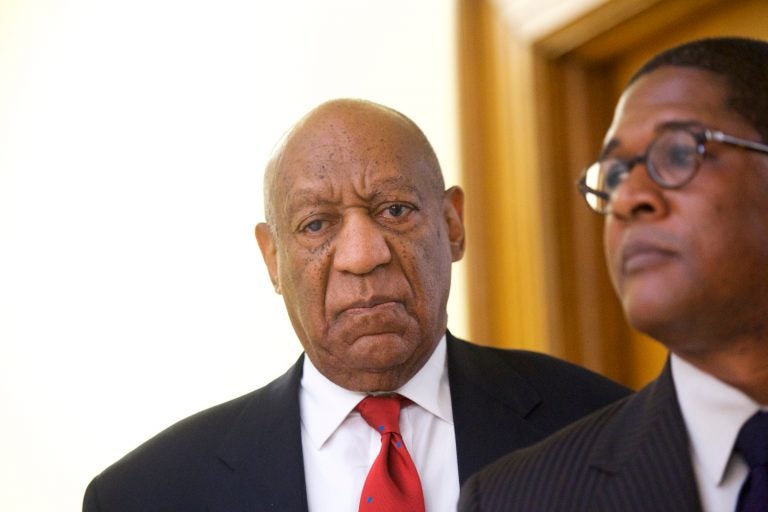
<point>340,447</point>
<point>714,413</point>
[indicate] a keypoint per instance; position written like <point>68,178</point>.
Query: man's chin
<point>649,315</point>
<point>376,362</point>
<point>372,379</point>
<point>380,352</point>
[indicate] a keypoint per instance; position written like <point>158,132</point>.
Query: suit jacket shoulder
<point>223,458</point>
<point>630,456</point>
<point>505,399</point>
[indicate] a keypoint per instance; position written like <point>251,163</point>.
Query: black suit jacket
<point>246,454</point>
<point>630,456</point>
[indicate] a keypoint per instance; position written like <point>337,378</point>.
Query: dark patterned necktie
<point>392,483</point>
<point>753,445</point>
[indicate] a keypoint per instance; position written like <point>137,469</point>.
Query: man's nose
<point>361,245</point>
<point>637,196</point>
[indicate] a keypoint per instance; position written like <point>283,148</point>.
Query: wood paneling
<point>504,253</point>
<point>533,114</point>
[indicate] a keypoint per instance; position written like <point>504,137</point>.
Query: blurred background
<point>132,141</point>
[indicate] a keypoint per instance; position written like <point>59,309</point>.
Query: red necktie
<point>392,483</point>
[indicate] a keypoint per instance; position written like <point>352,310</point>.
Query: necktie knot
<point>753,440</point>
<point>382,412</point>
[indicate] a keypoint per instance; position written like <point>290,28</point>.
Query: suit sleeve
<point>469,500</point>
<point>90,500</point>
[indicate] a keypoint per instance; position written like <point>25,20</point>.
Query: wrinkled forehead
<point>343,133</point>
<point>357,145</point>
<point>326,172</point>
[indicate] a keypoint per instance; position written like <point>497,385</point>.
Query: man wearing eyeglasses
<point>682,181</point>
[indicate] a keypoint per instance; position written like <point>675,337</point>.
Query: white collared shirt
<point>714,413</point>
<point>340,447</point>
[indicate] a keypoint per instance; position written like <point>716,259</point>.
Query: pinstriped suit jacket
<point>629,456</point>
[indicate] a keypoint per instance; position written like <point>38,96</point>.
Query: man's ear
<point>453,206</point>
<point>268,252</point>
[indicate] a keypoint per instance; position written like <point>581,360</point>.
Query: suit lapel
<point>643,460</point>
<point>262,466</point>
<point>489,406</point>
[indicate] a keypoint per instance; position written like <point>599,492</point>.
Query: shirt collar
<point>429,388</point>
<point>325,405</point>
<point>713,413</point>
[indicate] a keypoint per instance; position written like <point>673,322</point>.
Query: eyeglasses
<point>671,160</point>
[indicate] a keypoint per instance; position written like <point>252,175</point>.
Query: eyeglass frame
<point>701,136</point>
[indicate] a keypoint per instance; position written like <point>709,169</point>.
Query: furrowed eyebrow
<point>395,182</point>
<point>384,190</point>
<point>303,199</point>
<point>679,124</point>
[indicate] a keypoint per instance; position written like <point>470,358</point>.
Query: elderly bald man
<point>359,239</point>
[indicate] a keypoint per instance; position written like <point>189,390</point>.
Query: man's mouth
<point>370,306</point>
<point>642,255</point>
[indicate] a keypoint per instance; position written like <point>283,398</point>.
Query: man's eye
<point>397,215</point>
<point>397,210</point>
<point>314,226</point>
<point>615,173</point>
<point>680,156</point>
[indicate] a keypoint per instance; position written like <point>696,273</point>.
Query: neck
<point>743,365</point>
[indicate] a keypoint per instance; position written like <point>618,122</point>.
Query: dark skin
<point>690,265</point>
<point>359,240</point>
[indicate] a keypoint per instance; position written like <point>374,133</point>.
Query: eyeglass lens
<point>671,161</point>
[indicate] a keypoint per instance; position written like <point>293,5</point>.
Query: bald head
<point>351,126</point>
<point>359,241</point>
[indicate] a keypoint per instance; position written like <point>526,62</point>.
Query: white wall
<point>132,138</point>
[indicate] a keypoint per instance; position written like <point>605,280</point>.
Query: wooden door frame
<point>537,275</point>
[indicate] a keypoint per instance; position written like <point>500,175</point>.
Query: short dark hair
<point>742,62</point>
